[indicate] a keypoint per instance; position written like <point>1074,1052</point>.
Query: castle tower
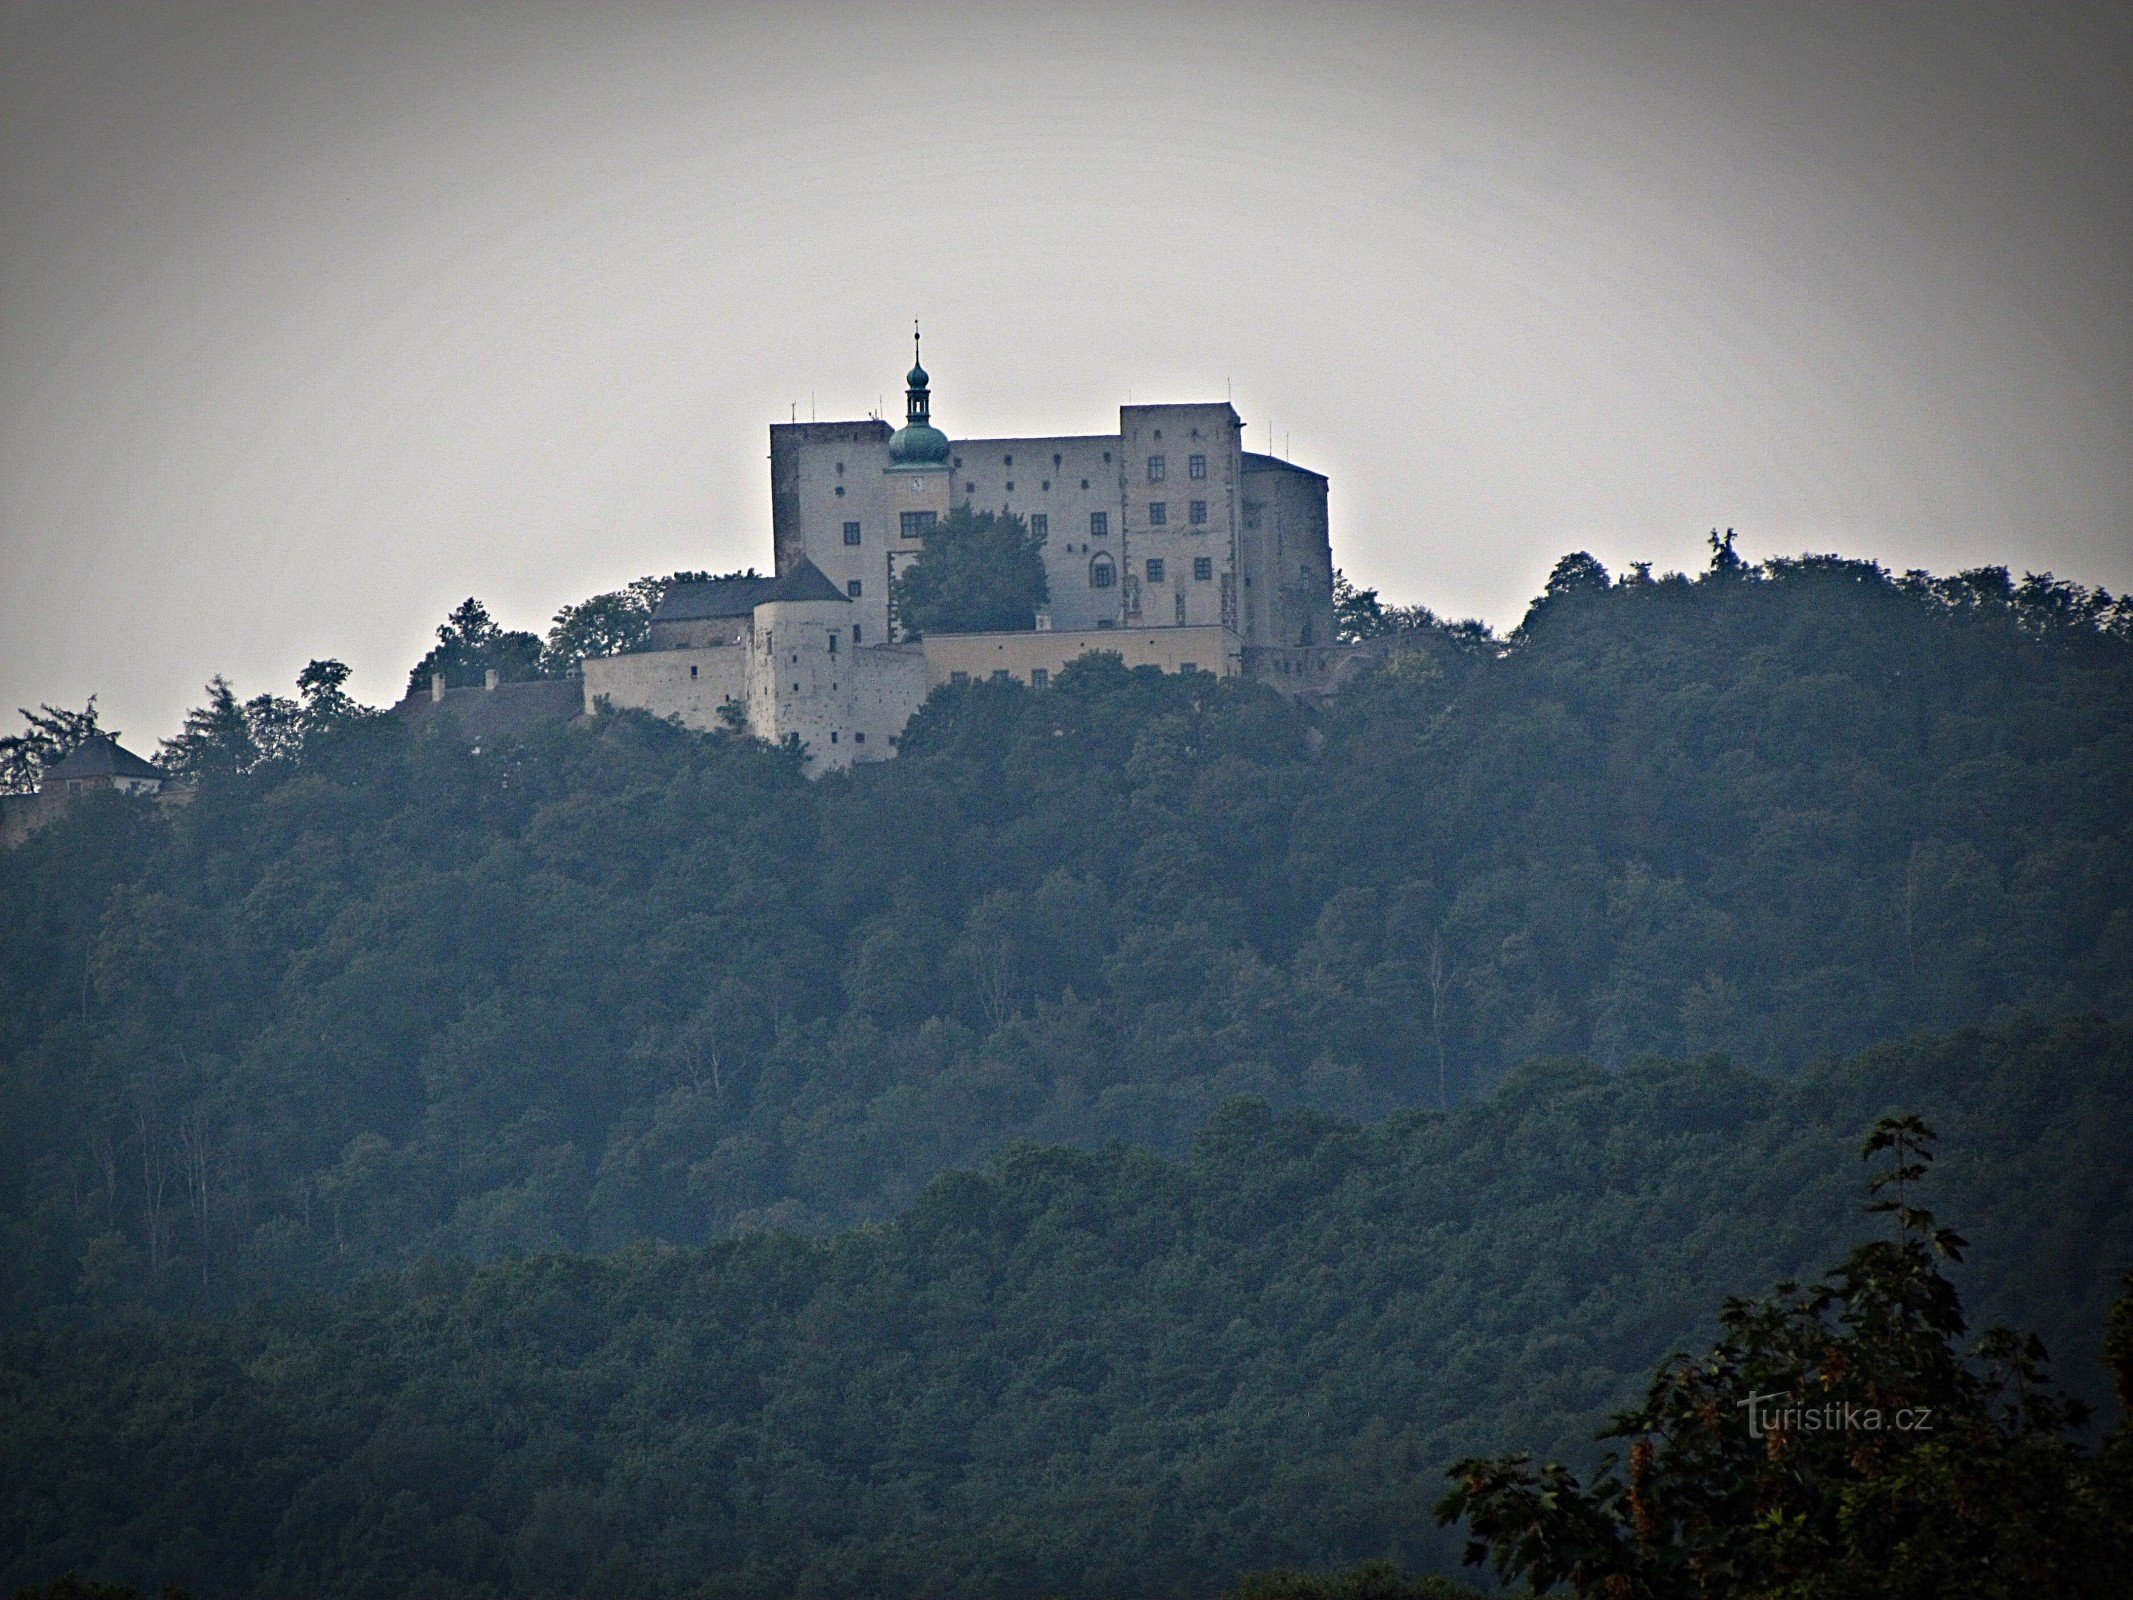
<point>920,477</point>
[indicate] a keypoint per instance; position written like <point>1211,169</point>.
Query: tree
<point>981,572</point>
<point>471,645</point>
<point>608,624</point>
<point>325,703</point>
<point>216,740</point>
<point>1835,1443</point>
<point>1577,571</point>
<point>1358,614</point>
<point>52,733</point>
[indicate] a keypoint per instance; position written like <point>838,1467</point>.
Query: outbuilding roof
<point>100,756</point>
<point>737,597</point>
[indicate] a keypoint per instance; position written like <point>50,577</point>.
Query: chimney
<point>488,680</point>
<point>436,686</point>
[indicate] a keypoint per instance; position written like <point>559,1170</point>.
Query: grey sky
<point>315,319</point>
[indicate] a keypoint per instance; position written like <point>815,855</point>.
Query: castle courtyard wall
<point>689,685</point>
<point>978,656</point>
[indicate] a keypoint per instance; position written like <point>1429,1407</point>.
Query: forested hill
<point>1072,1373</point>
<point>377,996</point>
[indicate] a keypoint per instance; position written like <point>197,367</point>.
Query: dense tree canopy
<point>1577,919</point>
<point>376,995</point>
<point>1075,1373</point>
<point>1839,1440</point>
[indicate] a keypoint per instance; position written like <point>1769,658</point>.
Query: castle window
<point>855,633</point>
<point>692,670</point>
<point>1159,433</point>
<point>1196,467</point>
<point>1057,458</point>
<point>1203,568</point>
<point>851,533</point>
<point>1102,574</point>
<point>1001,675</point>
<point>970,488</point>
<point>1007,461</point>
<point>1188,666</point>
<point>1099,524</point>
<point>917,524</point>
<point>1040,526</point>
<point>851,587</point>
<point>1084,483</point>
<point>859,738</point>
<point>1155,569</point>
<point>1181,608</point>
<point>1010,486</point>
<point>840,491</point>
<point>1039,677</point>
<point>1198,513</point>
<point>833,736</point>
<point>1251,513</point>
<point>1107,458</point>
<point>959,463</point>
<point>1045,487</point>
<point>1155,468</point>
<point>840,469</point>
<point>959,679</point>
<point>1158,513</point>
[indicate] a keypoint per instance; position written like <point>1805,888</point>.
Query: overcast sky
<point>316,318</point>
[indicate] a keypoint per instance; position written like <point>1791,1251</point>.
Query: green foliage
<point>609,624</point>
<point>1836,1442</point>
<point>70,1587</point>
<point>49,734</point>
<point>1072,1372</point>
<point>225,739</point>
<point>1359,615</point>
<point>981,572</point>
<point>470,645</point>
<point>1370,1580</point>
<point>378,996</point>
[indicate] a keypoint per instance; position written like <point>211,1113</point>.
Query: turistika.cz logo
<point>1774,1413</point>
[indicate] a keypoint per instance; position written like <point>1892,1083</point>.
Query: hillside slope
<point>1073,1373</point>
<point>383,997</point>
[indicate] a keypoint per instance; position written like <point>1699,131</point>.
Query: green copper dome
<point>916,378</point>
<point>918,444</point>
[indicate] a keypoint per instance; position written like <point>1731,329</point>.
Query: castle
<point>1166,542</point>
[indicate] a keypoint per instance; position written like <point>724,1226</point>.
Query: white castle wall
<point>689,685</point>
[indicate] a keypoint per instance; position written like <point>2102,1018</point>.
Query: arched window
<point>1102,573</point>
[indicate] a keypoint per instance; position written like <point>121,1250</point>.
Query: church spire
<point>918,446</point>
<point>918,404</point>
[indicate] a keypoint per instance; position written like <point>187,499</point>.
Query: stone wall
<point>690,685</point>
<point>970,657</point>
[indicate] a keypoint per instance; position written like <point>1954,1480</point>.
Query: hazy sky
<point>316,318</point>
